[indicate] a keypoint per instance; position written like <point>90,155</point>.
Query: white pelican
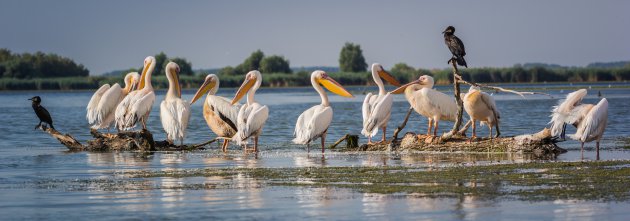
<point>102,105</point>
<point>377,108</point>
<point>137,105</point>
<point>252,116</point>
<point>428,102</point>
<point>590,120</point>
<point>221,116</point>
<point>481,106</point>
<point>313,123</point>
<point>174,112</point>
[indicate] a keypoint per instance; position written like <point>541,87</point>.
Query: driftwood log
<point>540,144</point>
<point>129,141</point>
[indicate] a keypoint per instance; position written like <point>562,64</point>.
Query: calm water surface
<point>39,179</point>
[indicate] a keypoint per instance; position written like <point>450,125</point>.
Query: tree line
<point>38,65</point>
<point>41,71</point>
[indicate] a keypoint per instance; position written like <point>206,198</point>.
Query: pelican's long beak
<point>401,89</point>
<point>143,75</point>
<point>247,84</point>
<point>177,87</point>
<point>207,85</point>
<point>388,77</point>
<point>134,84</point>
<point>334,87</point>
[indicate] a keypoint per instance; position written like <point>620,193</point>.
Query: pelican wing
<point>443,103</point>
<point>568,111</point>
<point>175,114</point>
<point>367,106</point>
<point>224,108</point>
<point>123,108</point>
<point>594,123</point>
<point>312,123</point>
<point>139,107</point>
<point>251,119</point>
<point>379,115</point>
<point>489,102</point>
<point>93,104</point>
<point>107,106</point>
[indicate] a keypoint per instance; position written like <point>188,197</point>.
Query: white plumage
<point>313,123</point>
<point>590,120</point>
<point>174,112</point>
<point>428,102</point>
<point>376,108</point>
<point>252,115</point>
<point>481,107</point>
<point>102,114</point>
<point>137,105</point>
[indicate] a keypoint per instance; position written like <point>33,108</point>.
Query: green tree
<point>274,64</point>
<point>351,58</point>
<point>229,70</point>
<point>185,67</point>
<point>251,63</point>
<point>160,62</point>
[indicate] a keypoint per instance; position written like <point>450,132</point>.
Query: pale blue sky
<point>112,35</point>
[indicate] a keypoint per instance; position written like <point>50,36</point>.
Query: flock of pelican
<point>232,121</point>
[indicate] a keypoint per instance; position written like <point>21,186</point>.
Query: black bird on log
<point>455,45</point>
<point>41,112</point>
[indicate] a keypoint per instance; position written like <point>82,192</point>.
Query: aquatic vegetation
<point>601,181</point>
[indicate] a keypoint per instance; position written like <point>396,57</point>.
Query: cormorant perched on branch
<point>41,112</point>
<point>455,45</point>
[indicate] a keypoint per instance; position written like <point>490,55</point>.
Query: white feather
<point>312,123</point>
<point>594,123</point>
<point>175,114</point>
<point>93,104</point>
<point>250,121</point>
<point>378,113</point>
<point>224,106</point>
<point>107,106</point>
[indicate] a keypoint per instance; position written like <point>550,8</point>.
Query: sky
<point>115,35</point>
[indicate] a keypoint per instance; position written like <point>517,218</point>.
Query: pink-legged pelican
<point>220,115</point>
<point>137,105</point>
<point>313,123</point>
<point>481,106</point>
<point>429,102</point>
<point>377,107</point>
<point>174,112</point>
<point>590,120</point>
<point>252,115</point>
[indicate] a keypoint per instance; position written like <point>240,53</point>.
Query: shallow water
<point>39,179</point>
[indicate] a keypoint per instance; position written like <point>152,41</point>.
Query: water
<point>40,179</point>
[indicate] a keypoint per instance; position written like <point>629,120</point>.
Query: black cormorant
<point>41,112</point>
<point>455,45</point>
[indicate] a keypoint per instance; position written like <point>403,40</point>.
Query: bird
<point>252,115</point>
<point>137,105</point>
<point>590,120</point>
<point>455,45</point>
<point>41,112</point>
<point>174,112</point>
<point>102,105</point>
<point>313,123</point>
<point>481,106</point>
<point>377,107</point>
<point>220,115</point>
<point>429,102</point>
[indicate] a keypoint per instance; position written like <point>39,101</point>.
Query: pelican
<point>137,105</point>
<point>428,102</point>
<point>102,105</point>
<point>313,123</point>
<point>377,108</point>
<point>252,116</point>
<point>221,116</point>
<point>174,112</point>
<point>590,120</point>
<point>481,106</point>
